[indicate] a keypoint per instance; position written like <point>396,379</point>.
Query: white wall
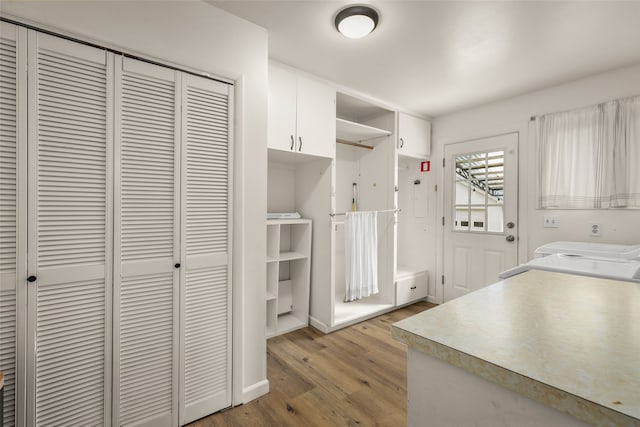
<point>513,115</point>
<point>199,36</point>
<point>281,189</point>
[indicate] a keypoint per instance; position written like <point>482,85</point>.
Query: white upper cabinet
<point>414,136</point>
<point>316,118</point>
<point>282,110</point>
<point>302,114</point>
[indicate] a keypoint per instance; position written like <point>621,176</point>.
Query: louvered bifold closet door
<point>12,210</point>
<point>146,249</point>
<point>205,316</point>
<point>69,233</point>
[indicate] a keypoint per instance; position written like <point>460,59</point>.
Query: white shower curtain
<point>361,254</point>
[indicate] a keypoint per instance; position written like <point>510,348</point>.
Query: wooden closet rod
<point>355,144</point>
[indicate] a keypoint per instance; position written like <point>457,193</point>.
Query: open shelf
<point>349,312</point>
<point>407,270</point>
<point>289,256</point>
<point>290,322</point>
<point>288,275</point>
<point>355,132</point>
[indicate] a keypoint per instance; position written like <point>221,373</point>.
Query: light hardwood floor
<point>352,377</point>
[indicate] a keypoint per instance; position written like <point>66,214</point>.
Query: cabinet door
<point>205,330</point>
<point>69,235</point>
<point>282,110</point>
<point>146,280</point>
<point>12,210</point>
<point>316,118</point>
<point>414,136</point>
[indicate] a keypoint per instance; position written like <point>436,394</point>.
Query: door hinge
<point>443,221</point>
<point>436,188</point>
<point>443,162</point>
<point>443,279</point>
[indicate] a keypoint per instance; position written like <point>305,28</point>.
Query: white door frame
<point>525,147</point>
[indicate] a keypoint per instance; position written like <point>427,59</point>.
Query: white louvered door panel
<point>205,385</point>
<point>147,245</point>
<point>12,211</point>
<point>69,235</point>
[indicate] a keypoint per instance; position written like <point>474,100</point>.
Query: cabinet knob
<point>300,146</point>
<point>31,279</point>
<point>292,142</point>
<point>177,265</point>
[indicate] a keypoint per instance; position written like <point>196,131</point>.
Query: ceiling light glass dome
<point>356,22</point>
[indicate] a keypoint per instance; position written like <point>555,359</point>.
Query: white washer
<point>608,261</point>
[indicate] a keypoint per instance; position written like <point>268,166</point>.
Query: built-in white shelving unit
<point>288,275</point>
<point>349,131</point>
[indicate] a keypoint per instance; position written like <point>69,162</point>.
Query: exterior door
<point>480,212</point>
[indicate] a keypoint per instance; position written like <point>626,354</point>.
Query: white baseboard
<point>321,326</point>
<point>255,390</point>
<point>432,299</point>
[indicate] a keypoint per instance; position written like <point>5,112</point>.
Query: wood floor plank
<point>352,377</point>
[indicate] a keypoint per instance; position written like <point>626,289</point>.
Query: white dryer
<point>588,249</point>
<point>608,261</point>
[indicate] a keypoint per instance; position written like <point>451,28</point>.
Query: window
<point>587,158</point>
<point>479,192</point>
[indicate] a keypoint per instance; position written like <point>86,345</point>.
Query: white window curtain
<point>588,158</point>
<point>621,151</point>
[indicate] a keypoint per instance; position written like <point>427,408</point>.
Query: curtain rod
<point>355,144</point>
<point>384,210</point>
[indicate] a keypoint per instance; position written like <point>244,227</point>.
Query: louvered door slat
<point>8,217</point>
<point>205,185</point>
<point>146,247</point>
<point>69,204</point>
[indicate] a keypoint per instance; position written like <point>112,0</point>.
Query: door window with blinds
<point>115,234</point>
<point>479,192</point>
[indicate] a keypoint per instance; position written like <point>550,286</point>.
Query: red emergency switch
<point>425,166</point>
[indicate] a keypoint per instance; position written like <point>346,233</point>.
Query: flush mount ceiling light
<point>356,22</point>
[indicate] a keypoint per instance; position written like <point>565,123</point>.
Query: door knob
<point>31,279</point>
<point>177,265</point>
<point>510,238</point>
<point>510,225</point>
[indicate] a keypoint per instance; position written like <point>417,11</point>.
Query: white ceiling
<point>435,57</point>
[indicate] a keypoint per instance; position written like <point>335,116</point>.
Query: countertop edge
<point>561,400</point>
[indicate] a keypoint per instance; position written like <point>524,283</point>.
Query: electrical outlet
<point>551,221</point>
<point>595,229</point>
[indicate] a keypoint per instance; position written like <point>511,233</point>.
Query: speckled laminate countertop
<point>571,342</point>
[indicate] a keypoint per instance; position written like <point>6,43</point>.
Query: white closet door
<point>147,245</point>
<point>205,386</point>
<point>68,344</point>
<point>12,209</point>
